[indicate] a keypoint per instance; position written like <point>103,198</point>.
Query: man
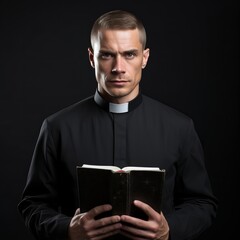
<point>117,126</point>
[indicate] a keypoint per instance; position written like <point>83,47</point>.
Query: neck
<point>119,99</point>
<point>117,107</point>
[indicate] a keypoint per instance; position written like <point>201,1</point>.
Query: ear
<point>91,57</point>
<point>146,54</point>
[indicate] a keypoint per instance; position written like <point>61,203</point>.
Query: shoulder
<point>174,123</point>
<point>71,113</point>
<point>164,111</point>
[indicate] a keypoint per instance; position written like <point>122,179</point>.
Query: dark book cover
<point>103,186</point>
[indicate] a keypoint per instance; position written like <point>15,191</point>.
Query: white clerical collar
<point>117,108</point>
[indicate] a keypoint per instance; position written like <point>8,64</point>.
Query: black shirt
<point>146,133</point>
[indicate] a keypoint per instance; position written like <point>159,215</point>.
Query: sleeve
<point>194,203</point>
<point>39,204</point>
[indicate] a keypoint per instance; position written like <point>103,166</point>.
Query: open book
<point>117,169</point>
<point>98,185</point>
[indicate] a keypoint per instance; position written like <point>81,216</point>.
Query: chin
<point>118,94</point>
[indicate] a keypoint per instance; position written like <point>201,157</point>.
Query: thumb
<point>77,212</point>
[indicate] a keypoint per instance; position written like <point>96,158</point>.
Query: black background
<point>193,67</point>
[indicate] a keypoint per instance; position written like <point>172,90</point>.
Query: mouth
<point>118,82</point>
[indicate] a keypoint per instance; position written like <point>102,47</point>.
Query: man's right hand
<point>85,226</point>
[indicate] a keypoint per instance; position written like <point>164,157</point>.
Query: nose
<point>118,65</point>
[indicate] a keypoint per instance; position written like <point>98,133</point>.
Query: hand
<point>156,227</point>
<point>85,226</point>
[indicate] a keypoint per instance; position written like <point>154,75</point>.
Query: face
<point>118,59</point>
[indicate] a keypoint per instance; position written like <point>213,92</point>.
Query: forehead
<point>125,39</point>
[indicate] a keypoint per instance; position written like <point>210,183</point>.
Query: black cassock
<point>143,132</point>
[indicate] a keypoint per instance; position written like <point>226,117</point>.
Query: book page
<point>125,169</point>
<point>130,168</point>
<point>107,167</point>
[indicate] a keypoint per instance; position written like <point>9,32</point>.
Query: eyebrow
<point>114,52</point>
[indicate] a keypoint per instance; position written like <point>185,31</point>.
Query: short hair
<point>119,20</point>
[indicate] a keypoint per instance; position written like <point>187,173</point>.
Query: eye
<point>105,55</point>
<point>130,55</point>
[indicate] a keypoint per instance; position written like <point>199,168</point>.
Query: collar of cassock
<point>117,108</point>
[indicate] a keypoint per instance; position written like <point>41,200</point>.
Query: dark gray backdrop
<point>193,67</point>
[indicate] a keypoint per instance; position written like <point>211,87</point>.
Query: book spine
<point>119,193</point>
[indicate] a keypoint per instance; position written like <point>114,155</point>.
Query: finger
<point>106,230</point>
<point>98,210</point>
<point>77,212</point>
<point>134,234</point>
<point>77,215</point>
<point>132,222</point>
<point>105,235</point>
<point>107,221</point>
<point>145,208</point>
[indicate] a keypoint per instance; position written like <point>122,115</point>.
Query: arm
<point>40,202</point>
<point>193,207</point>
<point>45,202</point>
<point>194,203</point>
